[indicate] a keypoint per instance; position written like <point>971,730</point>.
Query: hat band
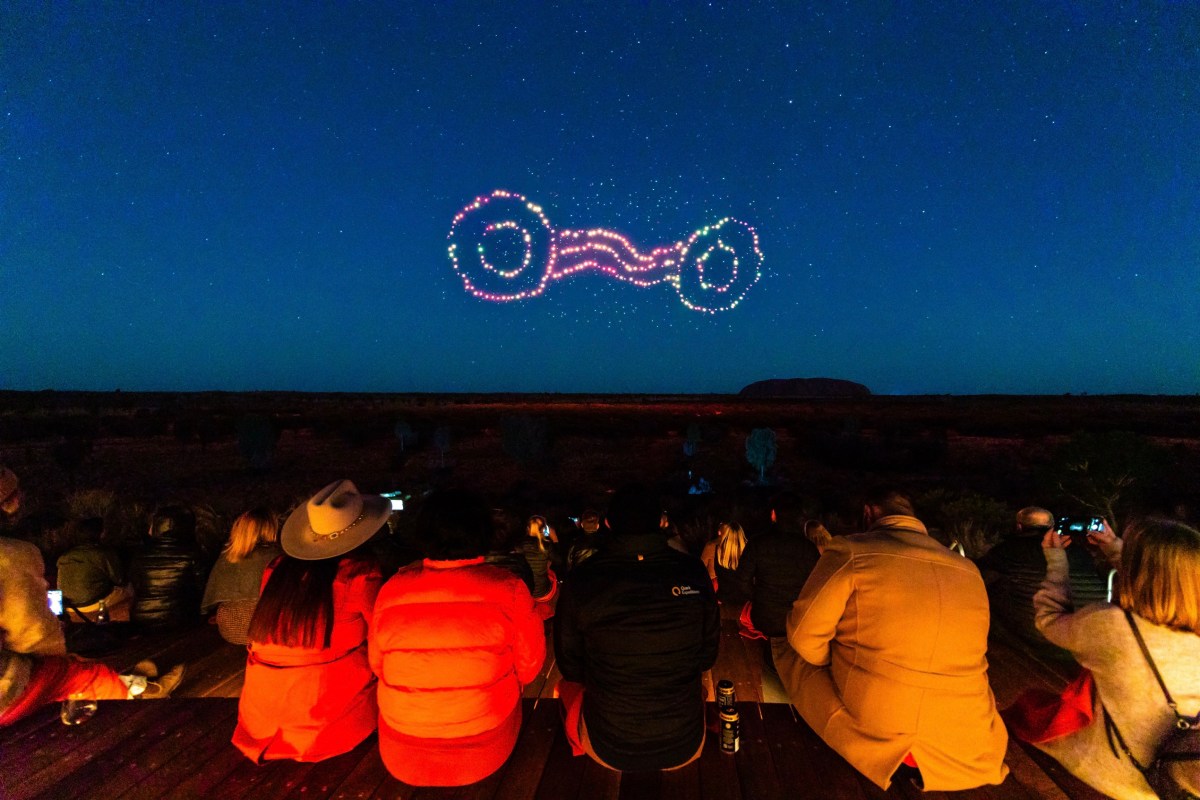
<point>336,534</point>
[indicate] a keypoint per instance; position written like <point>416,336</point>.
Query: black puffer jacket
<point>772,571</point>
<point>168,581</point>
<point>637,624</point>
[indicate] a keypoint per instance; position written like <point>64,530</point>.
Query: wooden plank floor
<point>180,748</point>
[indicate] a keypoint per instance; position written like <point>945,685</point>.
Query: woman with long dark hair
<point>309,692</point>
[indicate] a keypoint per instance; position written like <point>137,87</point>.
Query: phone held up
<point>54,599</point>
<point>396,499</point>
<point>1079,527</point>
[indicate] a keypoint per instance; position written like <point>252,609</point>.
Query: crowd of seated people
<point>879,636</point>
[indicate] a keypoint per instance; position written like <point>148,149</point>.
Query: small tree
<point>691,442</point>
<point>524,438</point>
<point>441,440</point>
<point>256,440</point>
<point>404,434</point>
<point>1105,473</point>
<point>761,449</point>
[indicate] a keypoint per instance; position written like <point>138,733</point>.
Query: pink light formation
<point>491,272</point>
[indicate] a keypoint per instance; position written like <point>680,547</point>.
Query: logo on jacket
<point>683,591</point>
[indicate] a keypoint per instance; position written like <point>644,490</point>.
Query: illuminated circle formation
<point>503,249</point>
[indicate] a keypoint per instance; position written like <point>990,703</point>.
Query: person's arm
<point>26,624</point>
<point>1110,546</point>
<point>1052,606</point>
<point>570,650</point>
<point>711,633</point>
<point>529,647</point>
<point>813,620</point>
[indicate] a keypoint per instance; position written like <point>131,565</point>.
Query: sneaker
<point>162,688</point>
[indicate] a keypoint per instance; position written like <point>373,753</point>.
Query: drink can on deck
<point>725,695</point>
<point>731,733</point>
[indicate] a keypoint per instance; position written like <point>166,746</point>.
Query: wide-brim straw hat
<point>334,521</point>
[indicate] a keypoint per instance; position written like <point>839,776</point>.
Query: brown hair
<point>1159,578</point>
<point>256,526</point>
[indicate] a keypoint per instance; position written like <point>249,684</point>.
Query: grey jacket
<point>1100,639</point>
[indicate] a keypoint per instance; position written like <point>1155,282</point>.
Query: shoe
<point>162,688</point>
<point>146,668</point>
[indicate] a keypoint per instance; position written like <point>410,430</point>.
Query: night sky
<point>949,198</point>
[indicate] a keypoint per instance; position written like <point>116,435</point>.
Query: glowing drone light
<point>550,255</point>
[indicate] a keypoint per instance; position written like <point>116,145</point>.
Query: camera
<point>397,499</point>
<point>55,601</point>
<point>1080,526</point>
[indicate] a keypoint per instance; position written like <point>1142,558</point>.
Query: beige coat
<point>891,633</point>
<point>26,625</point>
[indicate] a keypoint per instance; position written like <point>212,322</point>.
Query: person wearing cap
<point>309,692</point>
<point>454,640</point>
<point>35,668</point>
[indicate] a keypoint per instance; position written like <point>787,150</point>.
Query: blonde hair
<point>249,530</point>
<point>533,528</point>
<point>1159,578</point>
<point>731,541</point>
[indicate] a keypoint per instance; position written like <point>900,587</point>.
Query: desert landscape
<point>969,461</point>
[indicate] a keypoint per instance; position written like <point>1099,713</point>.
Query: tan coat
<point>891,633</point>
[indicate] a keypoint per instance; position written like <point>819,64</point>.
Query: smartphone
<point>54,599</point>
<point>1080,526</point>
<point>396,499</point>
<point>546,532</point>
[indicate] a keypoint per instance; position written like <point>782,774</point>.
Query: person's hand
<point>1102,538</point>
<point>1053,540</point>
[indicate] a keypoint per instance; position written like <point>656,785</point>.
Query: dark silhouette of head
<point>1034,521</point>
<point>634,509</point>
<point>174,523</point>
<point>454,524</point>
<point>886,502</point>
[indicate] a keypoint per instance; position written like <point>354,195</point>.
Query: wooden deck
<point>180,748</point>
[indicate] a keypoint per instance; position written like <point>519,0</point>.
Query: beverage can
<point>731,733</point>
<point>726,698</point>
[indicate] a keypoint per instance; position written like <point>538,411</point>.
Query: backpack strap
<point>1146,652</point>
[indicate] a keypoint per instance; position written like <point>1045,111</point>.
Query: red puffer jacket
<point>453,643</point>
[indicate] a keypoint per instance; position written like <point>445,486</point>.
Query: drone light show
<point>504,249</point>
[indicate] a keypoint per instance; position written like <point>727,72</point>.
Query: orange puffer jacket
<point>452,643</point>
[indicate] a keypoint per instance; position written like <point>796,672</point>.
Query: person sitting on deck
<point>91,573</point>
<point>721,555</point>
<point>1156,606</point>
<point>309,692</point>
<point>167,573</point>
<point>35,668</point>
<point>1014,569</point>
<point>772,570</point>
<point>637,626</point>
<point>888,666</point>
<point>540,548</point>
<point>453,641</point>
<point>236,579</point>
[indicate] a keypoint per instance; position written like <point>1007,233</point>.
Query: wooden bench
<point>180,748</point>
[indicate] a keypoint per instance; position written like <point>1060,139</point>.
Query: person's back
<point>772,571</point>
<point>1014,569</point>
<point>90,570</point>
<point>167,573</point>
<point>891,632</point>
<point>637,625</point>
